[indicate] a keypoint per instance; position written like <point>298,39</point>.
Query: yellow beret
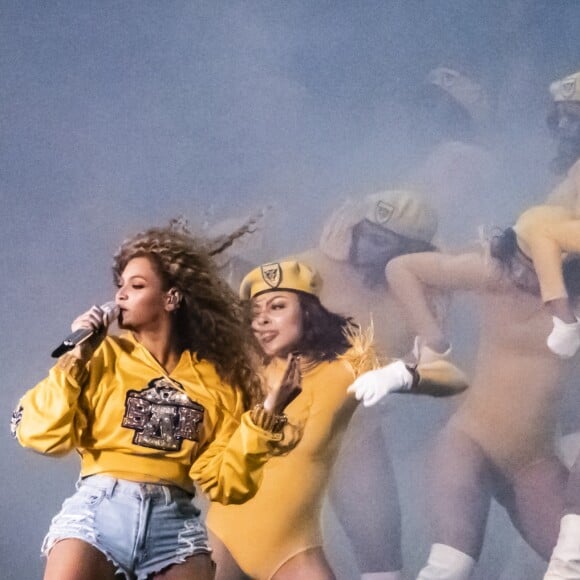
<point>402,212</point>
<point>289,275</point>
<point>567,89</point>
<point>463,90</point>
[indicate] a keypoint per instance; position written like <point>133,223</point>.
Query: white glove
<point>372,386</point>
<point>564,340</point>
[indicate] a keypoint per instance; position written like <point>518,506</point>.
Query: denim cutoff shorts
<point>141,527</point>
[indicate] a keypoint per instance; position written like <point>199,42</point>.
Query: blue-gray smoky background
<point>119,115</point>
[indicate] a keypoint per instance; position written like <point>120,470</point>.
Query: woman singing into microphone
<point>151,412</point>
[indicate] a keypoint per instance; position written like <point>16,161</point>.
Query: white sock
<point>447,563</point>
<point>565,560</point>
<point>396,575</point>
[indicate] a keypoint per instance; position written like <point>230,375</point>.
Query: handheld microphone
<point>110,313</point>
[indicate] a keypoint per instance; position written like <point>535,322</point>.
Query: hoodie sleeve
<point>48,418</point>
<point>229,469</point>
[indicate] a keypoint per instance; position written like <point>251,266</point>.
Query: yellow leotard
<point>283,518</point>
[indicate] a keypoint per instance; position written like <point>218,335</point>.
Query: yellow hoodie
<point>129,419</point>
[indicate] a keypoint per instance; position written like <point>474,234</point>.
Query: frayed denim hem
<point>51,540</point>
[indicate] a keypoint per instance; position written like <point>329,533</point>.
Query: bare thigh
<point>74,559</point>
<point>459,491</point>
<point>363,494</point>
<point>573,489</point>
<point>226,567</point>
<point>198,567</point>
<point>537,501</point>
<point>308,565</point>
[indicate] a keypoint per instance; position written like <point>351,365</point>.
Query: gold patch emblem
<point>162,416</point>
<point>272,274</point>
<point>383,212</point>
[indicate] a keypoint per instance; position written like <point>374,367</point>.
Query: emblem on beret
<point>272,274</point>
<point>568,88</point>
<point>383,212</point>
<point>448,79</point>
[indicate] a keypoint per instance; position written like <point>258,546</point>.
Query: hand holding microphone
<point>92,325</point>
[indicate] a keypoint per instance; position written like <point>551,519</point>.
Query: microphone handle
<point>78,336</point>
<point>71,341</point>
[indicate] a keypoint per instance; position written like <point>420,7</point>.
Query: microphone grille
<point>111,311</point>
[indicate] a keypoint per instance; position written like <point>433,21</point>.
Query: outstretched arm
<point>411,277</point>
<point>436,376</point>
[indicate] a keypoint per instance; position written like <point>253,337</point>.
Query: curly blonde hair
<point>210,321</point>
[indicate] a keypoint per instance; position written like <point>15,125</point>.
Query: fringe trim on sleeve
<point>362,355</point>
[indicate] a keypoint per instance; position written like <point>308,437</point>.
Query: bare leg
<point>460,492</point>
<point>73,559</point>
<point>537,503</point>
<point>459,496</point>
<point>199,567</point>
<point>573,489</point>
<point>363,495</point>
<point>308,565</point>
<point>226,567</point>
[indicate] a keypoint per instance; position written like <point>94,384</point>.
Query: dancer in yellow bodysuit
<point>501,441</point>
<point>277,533</point>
